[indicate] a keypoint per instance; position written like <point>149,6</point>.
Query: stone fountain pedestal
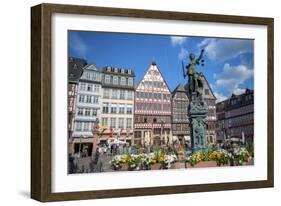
<point>198,121</point>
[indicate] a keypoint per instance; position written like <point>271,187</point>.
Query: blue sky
<point>228,62</point>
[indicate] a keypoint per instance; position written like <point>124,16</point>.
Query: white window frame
<point>88,75</point>
<point>87,112</point>
<point>113,106</point>
<point>89,85</point>
<point>114,94</point>
<point>115,80</point>
<point>107,79</point>
<point>131,107</point>
<point>78,126</point>
<point>82,86</point>
<point>79,109</point>
<point>94,112</point>
<point>104,121</point>
<point>122,93</point>
<point>122,108</point>
<point>96,88</point>
<point>129,126</point>
<point>115,121</point>
<point>106,93</point>
<point>81,98</point>
<point>130,95</point>
<point>123,81</point>
<point>121,126</point>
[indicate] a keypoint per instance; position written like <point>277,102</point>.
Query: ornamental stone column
<point>95,131</point>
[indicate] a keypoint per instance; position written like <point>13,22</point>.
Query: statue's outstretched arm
<point>200,56</point>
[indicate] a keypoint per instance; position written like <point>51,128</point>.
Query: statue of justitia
<point>193,75</point>
<point>197,107</point>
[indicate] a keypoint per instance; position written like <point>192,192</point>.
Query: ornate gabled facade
<point>180,120</point>
<point>152,115</point>
<point>117,104</point>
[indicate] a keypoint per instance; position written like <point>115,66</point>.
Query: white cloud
<point>178,40</point>
<point>232,77</point>
<point>223,49</point>
<point>183,54</point>
<point>78,45</point>
<point>238,91</point>
<point>220,97</point>
<point>205,42</point>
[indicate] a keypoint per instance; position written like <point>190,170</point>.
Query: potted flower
<point>241,155</point>
<point>147,160</point>
<point>221,156</point>
<point>134,162</point>
<point>194,158</point>
<point>168,160</point>
<point>118,161</point>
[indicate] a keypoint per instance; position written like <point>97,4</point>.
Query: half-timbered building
<point>152,114</point>
<point>180,121</point>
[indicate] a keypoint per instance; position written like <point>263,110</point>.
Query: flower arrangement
<point>240,155</point>
<point>134,161</point>
<point>118,161</point>
<point>147,160</point>
<point>195,158</point>
<point>167,160</point>
<point>235,155</point>
<point>221,156</point>
<point>158,155</point>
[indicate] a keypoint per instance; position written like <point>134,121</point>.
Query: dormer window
<point>88,75</point>
<point>95,76</point>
